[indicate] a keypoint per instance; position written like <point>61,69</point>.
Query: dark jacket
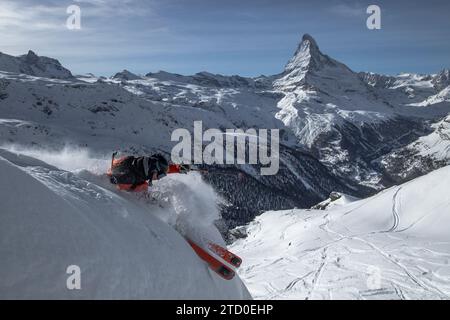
<point>135,171</point>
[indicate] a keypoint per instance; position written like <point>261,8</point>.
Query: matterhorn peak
<point>307,55</point>
<point>306,61</point>
<point>308,42</point>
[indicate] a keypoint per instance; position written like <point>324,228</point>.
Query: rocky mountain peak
<point>34,65</point>
<point>126,75</point>
<point>307,55</point>
<point>442,79</point>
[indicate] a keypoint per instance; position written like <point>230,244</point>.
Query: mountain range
<point>341,130</point>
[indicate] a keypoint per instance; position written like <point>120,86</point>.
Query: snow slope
<point>52,218</point>
<point>436,144</point>
<point>423,155</point>
<point>442,96</point>
<point>394,245</point>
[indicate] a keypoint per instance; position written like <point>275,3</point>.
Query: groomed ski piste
<point>393,245</point>
<point>59,209</point>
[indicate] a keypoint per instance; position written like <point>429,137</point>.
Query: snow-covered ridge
<point>442,79</point>
<point>440,97</point>
<point>51,219</point>
<point>427,153</point>
<point>394,245</point>
<point>126,75</point>
<point>207,79</point>
<point>436,144</point>
<point>34,65</point>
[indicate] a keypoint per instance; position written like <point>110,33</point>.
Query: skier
<point>137,173</point>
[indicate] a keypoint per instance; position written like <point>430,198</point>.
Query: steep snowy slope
<point>442,79</point>
<point>442,96</point>
<point>425,154</point>
<point>346,119</point>
<point>51,219</point>
<point>394,245</point>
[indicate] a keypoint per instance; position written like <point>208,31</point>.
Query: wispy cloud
<point>110,30</point>
<point>348,9</point>
<point>23,15</point>
<point>233,36</point>
<point>34,17</point>
<point>115,8</point>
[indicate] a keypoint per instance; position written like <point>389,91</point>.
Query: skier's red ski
<point>217,266</point>
<point>226,255</point>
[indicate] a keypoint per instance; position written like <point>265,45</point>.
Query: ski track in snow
<point>313,254</point>
<point>395,203</point>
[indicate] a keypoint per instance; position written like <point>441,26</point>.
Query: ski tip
<point>226,273</point>
<point>236,261</point>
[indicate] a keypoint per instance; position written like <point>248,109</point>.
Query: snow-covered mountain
<point>440,97</point>
<point>442,80</point>
<point>307,61</point>
<point>342,132</point>
<point>338,127</point>
<point>349,120</point>
<point>425,154</point>
<point>138,116</point>
<point>51,219</point>
<point>394,245</point>
<point>34,65</point>
<point>126,75</point>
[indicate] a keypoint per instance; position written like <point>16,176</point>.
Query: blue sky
<point>246,37</point>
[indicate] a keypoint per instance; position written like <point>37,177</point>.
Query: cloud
<point>111,31</point>
<point>35,17</point>
<point>24,22</point>
<point>25,16</point>
<point>348,9</point>
<point>115,8</point>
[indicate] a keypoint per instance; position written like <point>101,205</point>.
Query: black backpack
<point>127,171</point>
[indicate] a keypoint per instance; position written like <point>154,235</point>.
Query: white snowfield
<point>125,247</point>
<point>394,245</point>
